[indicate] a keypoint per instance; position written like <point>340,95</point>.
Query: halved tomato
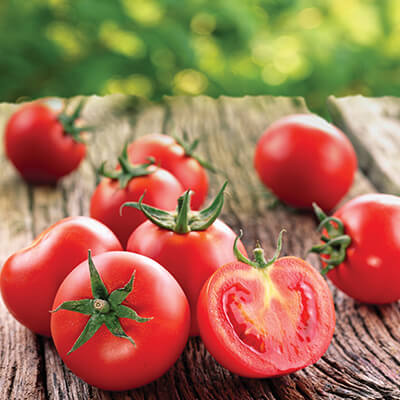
<point>261,319</point>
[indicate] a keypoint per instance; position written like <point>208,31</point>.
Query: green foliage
<point>150,48</point>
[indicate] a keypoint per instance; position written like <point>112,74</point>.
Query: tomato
<point>262,319</point>
<point>361,248</point>
<point>44,144</point>
<point>128,183</point>
<point>303,159</point>
<point>177,158</point>
<point>190,245</point>
<point>29,279</point>
<point>124,324</point>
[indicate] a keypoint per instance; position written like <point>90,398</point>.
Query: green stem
<point>183,210</point>
<point>128,170</point>
<point>183,220</point>
<point>335,242</point>
<point>69,122</point>
<point>189,149</point>
<point>259,256</point>
<point>103,308</point>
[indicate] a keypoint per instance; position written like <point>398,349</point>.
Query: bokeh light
<point>152,48</point>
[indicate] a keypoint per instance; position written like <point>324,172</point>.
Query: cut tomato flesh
<point>263,315</point>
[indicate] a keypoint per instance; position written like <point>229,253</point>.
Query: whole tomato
<point>43,143</point>
<point>361,248</point>
<point>29,279</point>
<point>303,159</point>
<point>128,183</point>
<point>263,318</point>
<point>177,157</point>
<point>121,325</point>
<point>189,244</point>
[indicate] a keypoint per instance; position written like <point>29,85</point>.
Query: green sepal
<point>183,219</point>
<point>91,327</point>
<point>68,122</point>
<point>335,243</point>
<point>115,328</point>
<point>189,149</point>
<point>103,308</point>
<point>119,295</point>
<point>99,290</point>
<point>125,312</point>
<point>128,170</point>
<point>259,258</point>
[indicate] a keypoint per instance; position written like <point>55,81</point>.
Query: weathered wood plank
<point>373,125</point>
<point>363,360</point>
<point>20,350</point>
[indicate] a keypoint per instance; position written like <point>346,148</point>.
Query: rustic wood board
<point>363,361</point>
<point>373,125</point>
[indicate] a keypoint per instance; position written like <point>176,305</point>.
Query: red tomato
<point>303,159</point>
<point>29,279</point>
<point>363,251</point>
<point>162,190</point>
<point>43,144</point>
<point>264,320</point>
<point>190,256</point>
<point>172,156</point>
<point>150,330</point>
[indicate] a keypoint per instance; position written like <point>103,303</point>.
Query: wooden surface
<point>363,360</point>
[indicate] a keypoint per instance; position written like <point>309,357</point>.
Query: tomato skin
<point>113,363</point>
<point>29,279</point>
<point>170,155</point>
<point>191,258</point>
<point>370,272</point>
<point>303,159</point>
<point>310,310</point>
<point>35,142</point>
<point>161,190</point>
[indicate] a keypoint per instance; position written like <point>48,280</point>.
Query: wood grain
<point>363,361</point>
<point>373,125</point>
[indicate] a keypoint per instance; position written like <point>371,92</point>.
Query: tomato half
<point>363,253</point>
<point>29,279</point>
<point>171,155</point>
<point>149,331</point>
<point>303,159</point>
<point>43,144</point>
<point>264,322</point>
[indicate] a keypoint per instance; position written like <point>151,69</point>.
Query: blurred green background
<point>233,47</point>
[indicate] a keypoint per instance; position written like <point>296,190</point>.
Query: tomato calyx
<point>183,219</point>
<point>68,122</point>
<point>259,257</point>
<point>105,308</point>
<point>128,170</point>
<point>189,149</point>
<point>335,243</point>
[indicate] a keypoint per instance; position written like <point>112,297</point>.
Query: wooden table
<point>363,360</point>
